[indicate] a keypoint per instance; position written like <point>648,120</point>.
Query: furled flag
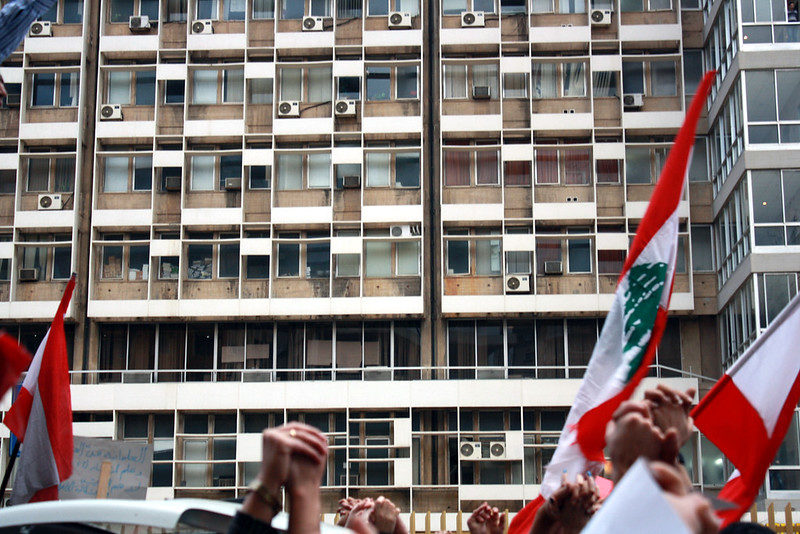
<point>634,325</point>
<point>13,362</point>
<point>41,417</point>
<point>15,19</point>
<point>748,411</point>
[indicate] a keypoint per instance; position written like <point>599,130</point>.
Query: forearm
<point>304,510</point>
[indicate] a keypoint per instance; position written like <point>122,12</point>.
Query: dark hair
<point>745,528</point>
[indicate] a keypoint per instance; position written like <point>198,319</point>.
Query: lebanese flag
<point>13,362</point>
<point>41,417</point>
<point>633,327</point>
<point>748,411</point>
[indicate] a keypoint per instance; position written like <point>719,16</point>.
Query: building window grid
<point>726,137</point>
<point>772,114</point>
<point>738,326</point>
<point>732,233</point>
<point>763,23</point>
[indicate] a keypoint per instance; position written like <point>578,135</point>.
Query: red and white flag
<point>638,315</point>
<point>41,417</point>
<point>13,362</point>
<point>748,411</point>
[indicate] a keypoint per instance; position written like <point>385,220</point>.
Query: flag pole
<point>9,467</point>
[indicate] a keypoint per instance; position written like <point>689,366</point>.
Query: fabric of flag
<point>638,315</point>
<point>748,411</point>
<point>16,18</point>
<point>13,362</point>
<point>41,417</point>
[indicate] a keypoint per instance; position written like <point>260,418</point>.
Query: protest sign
<point>120,470</point>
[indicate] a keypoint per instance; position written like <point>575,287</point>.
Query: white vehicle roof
<point>204,514</point>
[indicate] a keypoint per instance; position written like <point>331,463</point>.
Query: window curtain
<point>204,87</point>
<point>610,261</point>
<point>607,171</point>
<point>263,9</point>
<point>348,350</point>
<point>408,6</point>
<point>604,83</point>
<point>289,349</point>
<point>378,169</point>
<point>349,9</point>
<point>291,84</point>
<point>378,259</point>
<point>542,6</point>
<point>202,173</point>
<point>577,166</point>
<point>290,172</point>
<point>141,351</point>
<point>574,79</point>
<point>518,262</point>
<point>261,91</point>
<point>38,174</point>
<point>455,81</point>
<point>572,6</point>
<point>234,86</point>
<point>407,258</point>
<point>456,167</point>
<point>320,8</point>
<point>581,338</point>
<point>545,81</point>
<point>207,9</point>
<point>546,166</point>
<point>171,350</point>
<point>65,175</point>
<point>487,257</point>
<point>515,85</point>
<point>319,84</point>
<point>547,250</point>
<point>517,172</point>
<point>486,167</point>
<point>487,75</point>
<point>70,84</point>
<point>119,87</point>
<point>115,177</point>
<point>177,10</point>
<point>319,170</point>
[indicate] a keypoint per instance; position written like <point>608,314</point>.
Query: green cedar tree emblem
<point>645,287</point>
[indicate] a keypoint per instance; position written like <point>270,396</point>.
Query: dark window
<point>142,173</point>
<point>145,87</point>
<point>62,267</point>
<point>8,181</point>
<point>378,83</point>
<point>257,267</point>
<point>288,259</point>
<point>229,261</point>
<point>349,87</point>
<point>44,89</point>
<point>407,169</point>
<point>174,92</point>
<point>259,177</point>
<point>318,260</point>
<point>121,10</point>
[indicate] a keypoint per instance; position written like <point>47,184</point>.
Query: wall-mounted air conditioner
<point>345,108</point>
<point>518,283</point>
<point>233,184</point>
<point>481,92</point>
<point>633,101</point>
<point>172,183</point>
<point>497,450</point>
<point>110,112</point>
<point>49,202</point>
<point>601,17</point>
<point>399,21</point>
<point>202,26</point>
<point>41,28</point>
<point>289,109</point>
<point>473,19</point>
<point>470,450</point>
<point>28,274</point>
<point>351,182</point>
<point>312,24</point>
<point>553,267</point>
<point>406,230</point>
<point>139,23</point>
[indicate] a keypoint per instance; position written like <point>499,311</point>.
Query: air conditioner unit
<point>233,184</point>
<point>473,19</point>
<point>633,100</point>
<point>111,112</point>
<point>28,274</point>
<point>351,182</point>
<point>497,450</point>
<point>553,267</point>
<point>172,183</point>
<point>399,21</point>
<point>601,17</point>
<point>202,26</point>
<point>139,23</point>
<point>406,230</point>
<point>470,450</point>
<point>312,24</point>
<point>49,202</point>
<point>13,100</point>
<point>481,92</point>
<point>518,283</point>
<point>345,108</point>
<point>289,109</point>
<point>41,28</point>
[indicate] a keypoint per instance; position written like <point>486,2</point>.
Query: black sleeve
<point>243,523</point>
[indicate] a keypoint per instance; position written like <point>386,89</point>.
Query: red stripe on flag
<point>591,428</point>
<point>16,418</point>
<point>667,193</point>
<point>522,522</point>
<point>45,494</point>
<point>13,361</point>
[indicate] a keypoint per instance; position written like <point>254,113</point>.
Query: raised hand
<point>670,409</point>
<point>384,515</point>
<point>486,520</point>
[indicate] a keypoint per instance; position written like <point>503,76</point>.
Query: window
<point>692,69</point>
<point>512,7</point>
<point>55,89</point>
<point>565,166</point>
<point>562,6</point>
<point>653,77</point>
<point>702,253</point>
<point>382,7</point>
<point>122,260</point>
<point>772,112</point>
<point>221,86</point>
<point>391,83</point>
<point>348,87</point>
<point>643,164</point>
<point>132,87</point>
<point>204,169</point>
<point>257,267</point>
<point>176,10</point>
<point>263,9</point>
<point>296,170</point>
<point>607,171</point>
<point>698,167</point>
<point>8,181</point>
<point>457,79</point>
<point>473,254</point>
<point>174,91</point>
<point>318,83</point>
<point>127,173</point>
<point>479,166</point>
<point>348,9</point>
<point>316,255</point>
<point>776,207</point>
<point>456,7</point>
<point>201,256</point>
<point>260,91</point>
<point>578,251</point>
<point>645,5</point>
<point>122,10</point>
<point>288,256</point>
<point>517,173</point>
<point>54,174</point>
<point>260,176</point>
<point>220,9</point>
<point>604,84</point>
<point>610,261</point>
<point>557,80</point>
<point>385,259</point>
<point>515,85</point>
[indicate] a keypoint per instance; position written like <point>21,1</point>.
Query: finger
<point>670,446</point>
<point>296,428</point>
<point>666,477</point>
<point>301,447</point>
<point>632,407</point>
<point>312,441</point>
<point>656,396</point>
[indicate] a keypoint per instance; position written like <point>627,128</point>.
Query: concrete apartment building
<point>363,214</point>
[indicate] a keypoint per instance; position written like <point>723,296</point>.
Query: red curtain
<point>456,167</point>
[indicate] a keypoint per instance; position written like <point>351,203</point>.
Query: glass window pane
<point>348,265</point>
<point>319,170</point>
<point>457,257</point>
<point>767,205</point>
<point>204,87</point>
<point>407,169</point>
<point>263,9</point>
<point>632,76</point>
<point>139,262</point>
<point>119,87</point>
<point>174,91</point>
<point>545,80</point>
<point>143,173</point>
<point>378,170</point>
<point>145,87</point>
<point>233,9</point>
<point>290,171</point>
<point>234,86</point>
<point>378,83</point>
<point>257,267</point>
<point>663,78</point>
<point>637,165</point>
<point>44,86</point>
<point>487,257</point>
<point>791,195</point>
<point>319,84</point>
<point>292,9</point>
<point>455,81</point>
<point>378,260</point>
<point>580,256</point>
<point>574,79</point>
<point>115,175</point>
<point>288,259</point>
<point>760,95</point>
<point>202,178</point>
<point>550,348</point>
<point>73,11</point>
<point>229,261</point>
<point>456,167</point>
<point>406,82</point>
<point>68,92</point>
<point>199,262</point>
<point>788,89</point>
<point>515,85</point>
<point>291,83</point>
<point>121,10</point>
<point>702,259</point>
<point>407,258</point>
<point>318,260</point>
<point>487,169</point>
<point>453,7</point>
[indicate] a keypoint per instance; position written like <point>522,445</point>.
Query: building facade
<point>400,221</point>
